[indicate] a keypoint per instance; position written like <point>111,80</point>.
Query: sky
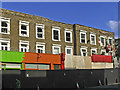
<point>100,15</point>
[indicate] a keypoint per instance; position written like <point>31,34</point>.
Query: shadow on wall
<point>60,78</point>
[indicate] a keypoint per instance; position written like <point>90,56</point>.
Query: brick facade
<point>32,19</point>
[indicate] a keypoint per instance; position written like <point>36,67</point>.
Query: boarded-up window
<point>56,67</point>
<point>43,66</point>
<point>10,65</point>
<point>31,66</point>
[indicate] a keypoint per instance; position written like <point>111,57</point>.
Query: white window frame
<point>112,40</point>
<point>6,41</point>
<point>83,32</point>
<point>103,50</point>
<point>26,23</point>
<point>40,44</point>
<point>57,29</point>
<point>69,47</point>
<point>85,48</point>
<point>101,41</point>
<point>68,31</point>
<point>8,24</point>
<point>92,34</point>
<point>23,42</point>
<point>56,46</point>
<point>42,26</point>
<point>93,49</point>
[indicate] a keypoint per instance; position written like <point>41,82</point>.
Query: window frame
<point>111,39</point>
<point>83,32</point>
<point>57,29</point>
<point>8,24</point>
<point>23,42</point>
<point>6,40</point>
<point>69,47</point>
<point>95,49</point>
<point>68,31</point>
<point>103,50</point>
<point>101,41</point>
<point>92,34</point>
<point>85,48</point>
<point>56,46</point>
<point>40,44</point>
<point>42,26</point>
<point>26,23</point>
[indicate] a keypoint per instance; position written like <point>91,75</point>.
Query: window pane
<point>67,36</point>
<point>40,47</point>
<point>40,51</point>
<point>93,52</point>
<point>56,50</point>
<point>23,32</point>
<point>21,49</point>
<point>5,48</point>
<point>68,51</point>
<point>43,66</point>
<point>83,40</point>
<point>84,54</point>
<point>110,41</point>
<point>23,45</point>
<point>39,29</point>
<point>4,24</point>
<point>32,66</point>
<point>56,67</point>
<point>2,48</point>
<point>102,40</point>
<point>39,35</point>
<point>4,30</point>
<point>83,50</point>
<point>3,43</point>
<point>25,50</point>
<point>82,35</point>
<point>103,53</point>
<point>55,33</point>
<point>23,27</point>
<point>93,38</point>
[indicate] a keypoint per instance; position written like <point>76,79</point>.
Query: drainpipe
<point>74,37</point>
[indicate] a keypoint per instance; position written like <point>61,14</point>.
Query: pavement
<point>114,86</point>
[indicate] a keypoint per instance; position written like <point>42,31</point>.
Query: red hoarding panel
<point>101,58</point>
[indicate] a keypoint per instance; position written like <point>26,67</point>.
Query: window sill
<point>39,38</point>
<point>93,44</point>
<point>4,33</point>
<point>23,36</point>
<point>83,43</point>
<point>68,41</point>
<point>56,40</point>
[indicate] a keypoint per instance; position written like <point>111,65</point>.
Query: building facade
<point>30,61</point>
<point>91,41</point>
<point>28,33</point>
<point>117,47</point>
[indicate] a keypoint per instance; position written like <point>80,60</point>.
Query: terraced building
<point>29,33</point>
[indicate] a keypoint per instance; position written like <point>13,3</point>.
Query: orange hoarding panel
<point>50,59</point>
<point>42,58</point>
<point>30,58</point>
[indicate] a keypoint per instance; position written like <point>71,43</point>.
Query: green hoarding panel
<point>11,56</point>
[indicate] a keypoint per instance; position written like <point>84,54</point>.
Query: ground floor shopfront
<point>29,61</point>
